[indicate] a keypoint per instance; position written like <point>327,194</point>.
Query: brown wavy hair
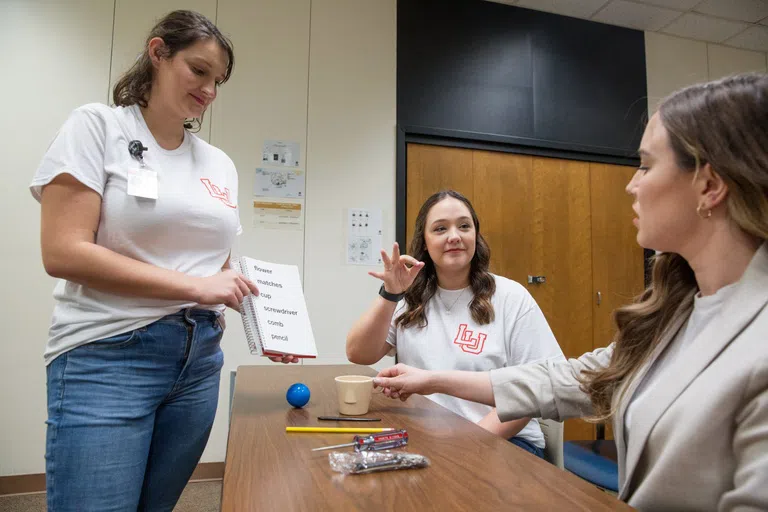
<point>424,286</point>
<point>725,124</point>
<point>178,30</point>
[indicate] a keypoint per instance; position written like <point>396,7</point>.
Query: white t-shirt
<point>452,340</point>
<point>705,309</point>
<point>190,227</point>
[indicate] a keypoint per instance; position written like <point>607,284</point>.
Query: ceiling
<point>737,23</point>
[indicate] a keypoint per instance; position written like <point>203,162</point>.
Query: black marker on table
<point>345,418</point>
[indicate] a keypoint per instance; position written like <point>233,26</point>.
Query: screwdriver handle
<point>382,441</point>
<point>374,442</point>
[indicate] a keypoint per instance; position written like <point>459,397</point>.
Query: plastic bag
<point>355,463</point>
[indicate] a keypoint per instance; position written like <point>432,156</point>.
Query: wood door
<point>617,259</point>
<point>562,251</point>
<point>503,185</point>
<point>535,215</point>
<point>562,254</point>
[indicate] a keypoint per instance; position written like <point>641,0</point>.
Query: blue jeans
<point>129,416</point>
<point>527,446</point>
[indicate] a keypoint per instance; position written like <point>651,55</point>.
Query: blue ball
<point>298,395</point>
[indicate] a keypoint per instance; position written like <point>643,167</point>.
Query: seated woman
<point>442,309</point>
<point>686,379</point>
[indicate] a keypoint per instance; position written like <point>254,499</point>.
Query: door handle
<point>599,298</point>
<point>537,279</point>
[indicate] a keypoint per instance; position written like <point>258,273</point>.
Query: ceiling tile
<point>741,10</point>
<point>704,28</point>
<point>680,5</point>
<point>634,15</point>
<point>580,9</point>
<point>754,38</point>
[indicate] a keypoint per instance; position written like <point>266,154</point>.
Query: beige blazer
<point>700,440</point>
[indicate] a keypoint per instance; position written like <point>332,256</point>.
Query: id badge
<point>142,183</point>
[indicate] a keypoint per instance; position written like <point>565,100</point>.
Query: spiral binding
<point>251,324</point>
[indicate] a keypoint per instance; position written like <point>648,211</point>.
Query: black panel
<point>590,83</point>
<point>461,67</point>
<point>484,71</point>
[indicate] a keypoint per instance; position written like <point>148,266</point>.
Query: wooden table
<point>471,469</point>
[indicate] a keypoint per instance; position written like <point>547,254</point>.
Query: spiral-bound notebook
<point>276,321</point>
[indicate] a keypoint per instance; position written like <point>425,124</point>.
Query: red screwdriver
<point>374,442</point>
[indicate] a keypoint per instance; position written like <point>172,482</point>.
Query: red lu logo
<point>467,343</point>
<point>217,193</point>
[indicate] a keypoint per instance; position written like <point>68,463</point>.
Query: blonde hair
<point>723,123</point>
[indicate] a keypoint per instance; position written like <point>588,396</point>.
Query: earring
<point>698,212</point>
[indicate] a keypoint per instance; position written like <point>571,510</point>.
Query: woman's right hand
<point>399,270</point>
<point>401,381</point>
<point>227,287</point>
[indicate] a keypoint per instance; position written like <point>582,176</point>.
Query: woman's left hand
<point>287,358</point>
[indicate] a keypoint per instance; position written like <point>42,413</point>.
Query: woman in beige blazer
<point>685,381</point>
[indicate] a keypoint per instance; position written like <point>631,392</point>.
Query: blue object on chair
<point>591,466</point>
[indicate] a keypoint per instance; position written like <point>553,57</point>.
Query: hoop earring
<point>698,212</point>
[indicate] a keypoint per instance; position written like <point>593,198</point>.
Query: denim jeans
<point>527,446</point>
<point>129,416</point>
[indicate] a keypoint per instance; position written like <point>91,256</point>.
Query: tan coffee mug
<point>354,394</point>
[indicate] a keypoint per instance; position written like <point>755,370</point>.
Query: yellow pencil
<point>338,430</point>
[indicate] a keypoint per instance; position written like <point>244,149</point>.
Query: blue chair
<point>593,461</point>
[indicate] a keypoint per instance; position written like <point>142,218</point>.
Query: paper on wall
<point>364,236</point>
<point>278,215</point>
<point>283,153</point>
<point>285,183</point>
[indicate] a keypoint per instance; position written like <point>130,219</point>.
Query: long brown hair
<point>723,123</point>
<point>424,286</point>
<point>178,30</point>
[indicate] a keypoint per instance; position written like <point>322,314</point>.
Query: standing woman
<point>138,219</point>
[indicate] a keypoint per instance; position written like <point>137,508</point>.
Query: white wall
<point>351,140</point>
<point>54,56</point>
<point>674,62</point>
<point>320,72</point>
